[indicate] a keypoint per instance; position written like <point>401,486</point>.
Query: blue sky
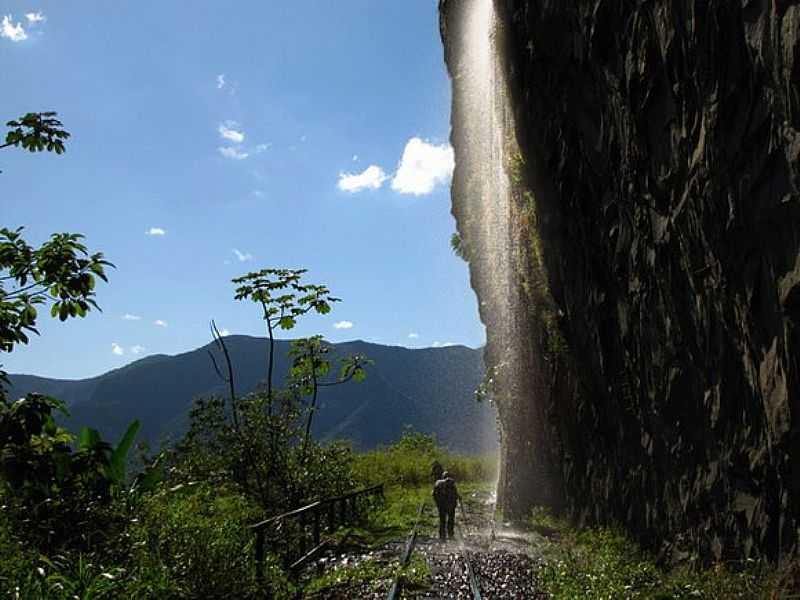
<point>210,139</point>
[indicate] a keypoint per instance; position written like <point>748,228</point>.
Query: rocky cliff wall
<point>656,227</point>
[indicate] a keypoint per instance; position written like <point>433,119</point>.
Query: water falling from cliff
<point>487,195</point>
<point>486,199</point>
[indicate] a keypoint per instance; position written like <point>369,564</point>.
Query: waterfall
<point>487,131</point>
<point>487,196</point>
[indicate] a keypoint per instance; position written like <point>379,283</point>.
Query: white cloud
<point>355,157</point>
<point>422,167</point>
<point>137,349</point>
<point>443,344</point>
<point>262,147</point>
<point>370,178</point>
<point>231,130</point>
<point>130,317</point>
<point>156,231</point>
<point>232,153</point>
<point>242,256</point>
<point>223,332</point>
<point>117,349</point>
<point>343,325</point>
<point>15,33</point>
<point>160,323</point>
<point>36,17</point>
<point>413,336</point>
<point>220,81</point>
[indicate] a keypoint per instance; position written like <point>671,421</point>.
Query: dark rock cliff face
<point>660,147</point>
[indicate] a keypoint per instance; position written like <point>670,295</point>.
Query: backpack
<point>444,492</point>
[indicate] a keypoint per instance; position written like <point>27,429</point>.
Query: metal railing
<point>336,511</point>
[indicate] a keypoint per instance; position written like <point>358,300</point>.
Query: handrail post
<point>260,556</point>
<point>331,516</point>
<point>302,533</point>
<point>310,525</point>
<point>316,527</point>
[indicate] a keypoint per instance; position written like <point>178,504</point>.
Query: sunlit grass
<point>408,463</point>
<point>369,575</point>
<point>603,563</point>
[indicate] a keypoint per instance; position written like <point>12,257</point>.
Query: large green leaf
<point>119,457</point>
<point>147,480</point>
<point>89,438</point>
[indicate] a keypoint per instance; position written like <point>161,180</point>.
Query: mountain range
<point>430,389</point>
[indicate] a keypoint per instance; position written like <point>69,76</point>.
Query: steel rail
<point>474,586</point>
<point>397,585</point>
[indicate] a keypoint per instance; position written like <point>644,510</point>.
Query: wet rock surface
<point>505,575</point>
<point>500,575</point>
<point>505,561</point>
<point>661,147</point>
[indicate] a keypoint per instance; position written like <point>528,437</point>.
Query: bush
<point>17,561</point>
<point>599,563</point>
<point>192,541</point>
<point>408,463</point>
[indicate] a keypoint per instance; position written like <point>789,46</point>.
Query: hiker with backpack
<point>445,494</point>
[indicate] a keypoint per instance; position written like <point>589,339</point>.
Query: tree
<point>263,443</point>
<point>60,272</point>
<point>51,489</point>
<point>283,299</point>
<point>309,370</point>
<point>56,495</point>
<point>37,132</point>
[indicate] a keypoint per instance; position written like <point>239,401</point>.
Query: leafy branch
<point>37,132</point>
<point>283,299</point>
<point>309,369</point>
<point>61,272</point>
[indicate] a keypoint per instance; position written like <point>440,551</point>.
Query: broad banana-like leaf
<point>147,480</point>
<point>119,457</point>
<point>89,438</point>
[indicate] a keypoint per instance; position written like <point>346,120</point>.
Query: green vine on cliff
<point>531,262</point>
<point>459,247</point>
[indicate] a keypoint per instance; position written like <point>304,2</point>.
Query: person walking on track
<point>445,494</point>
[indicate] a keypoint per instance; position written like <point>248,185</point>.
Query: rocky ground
<point>504,561</point>
<point>500,575</point>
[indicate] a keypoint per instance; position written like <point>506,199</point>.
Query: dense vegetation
<point>603,562</point>
<point>75,524</point>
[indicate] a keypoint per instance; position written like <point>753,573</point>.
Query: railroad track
<point>474,586</point>
<point>478,566</point>
<point>464,564</point>
<point>397,585</point>
<point>466,555</point>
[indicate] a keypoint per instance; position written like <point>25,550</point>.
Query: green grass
<point>369,575</point>
<point>397,517</point>
<point>603,563</point>
<point>408,463</point>
<point>192,541</point>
